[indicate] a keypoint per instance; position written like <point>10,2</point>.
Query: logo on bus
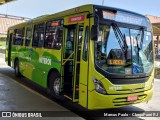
<point>133,90</point>
<point>45,60</point>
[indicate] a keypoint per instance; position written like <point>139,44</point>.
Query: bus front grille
<point>134,90</point>
<point>122,81</point>
<point>122,101</point>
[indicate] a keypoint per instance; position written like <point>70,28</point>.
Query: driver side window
<point>101,44</point>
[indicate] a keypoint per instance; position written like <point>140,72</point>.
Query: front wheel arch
<point>52,71</point>
<point>54,78</point>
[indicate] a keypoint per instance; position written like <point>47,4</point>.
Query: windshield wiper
<point>139,44</point>
<point>120,37</point>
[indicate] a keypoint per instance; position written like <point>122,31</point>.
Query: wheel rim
<point>56,86</point>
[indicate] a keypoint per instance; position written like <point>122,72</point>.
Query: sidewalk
<point>15,96</point>
<point>157,63</point>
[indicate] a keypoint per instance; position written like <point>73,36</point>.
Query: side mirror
<point>94,33</point>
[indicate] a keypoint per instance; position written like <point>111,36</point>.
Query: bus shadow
<point>123,113</point>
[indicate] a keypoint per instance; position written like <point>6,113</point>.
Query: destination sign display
<point>109,15</point>
<point>125,17</point>
<point>116,62</point>
<point>55,23</point>
<point>129,18</point>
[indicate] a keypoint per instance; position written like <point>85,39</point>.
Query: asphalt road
<point>47,103</point>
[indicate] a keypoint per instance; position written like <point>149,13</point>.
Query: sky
<point>35,8</point>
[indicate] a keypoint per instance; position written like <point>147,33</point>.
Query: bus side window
<point>18,36</point>
<point>85,46</point>
<point>38,36</point>
<point>53,35</point>
<point>28,36</point>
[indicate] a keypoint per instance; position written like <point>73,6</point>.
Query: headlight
<point>99,86</point>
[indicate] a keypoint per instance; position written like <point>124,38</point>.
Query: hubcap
<point>56,86</point>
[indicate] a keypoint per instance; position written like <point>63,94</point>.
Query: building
<point>5,1</point>
<point>7,21</point>
<point>153,19</point>
<point>156,32</point>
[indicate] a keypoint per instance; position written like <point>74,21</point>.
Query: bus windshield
<point>137,57</point>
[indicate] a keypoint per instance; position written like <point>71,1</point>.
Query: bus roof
<point>84,8</point>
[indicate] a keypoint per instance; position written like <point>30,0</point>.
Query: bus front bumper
<point>100,101</point>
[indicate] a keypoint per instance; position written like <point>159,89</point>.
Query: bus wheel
<point>54,85</point>
<point>16,68</point>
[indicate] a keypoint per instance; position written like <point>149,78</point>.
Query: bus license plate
<point>132,98</point>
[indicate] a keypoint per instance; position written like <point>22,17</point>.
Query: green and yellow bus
<point>97,56</point>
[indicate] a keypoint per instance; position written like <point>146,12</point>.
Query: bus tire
<point>54,85</point>
<point>16,69</point>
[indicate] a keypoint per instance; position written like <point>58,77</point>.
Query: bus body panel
<point>36,63</point>
<point>115,101</point>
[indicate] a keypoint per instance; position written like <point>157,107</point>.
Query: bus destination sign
<point>124,17</point>
<point>109,15</point>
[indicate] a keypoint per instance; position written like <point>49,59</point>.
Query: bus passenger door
<point>71,61</point>
<point>84,66</point>
<point>68,61</point>
<point>75,58</point>
<point>78,45</point>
